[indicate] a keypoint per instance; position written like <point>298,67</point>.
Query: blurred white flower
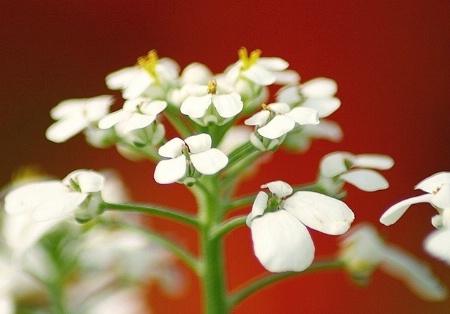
<point>437,188</point>
<point>137,113</point>
<point>261,71</point>
<point>196,151</point>
<point>280,239</point>
<point>363,250</point>
<point>339,167</point>
<point>75,115</point>
<point>151,77</point>
<point>227,103</point>
<point>277,119</point>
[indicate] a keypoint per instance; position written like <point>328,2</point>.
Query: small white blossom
<point>261,71</point>
<point>75,115</point>
<point>136,114</point>
<point>363,250</point>
<point>437,188</point>
<point>151,77</point>
<point>195,150</point>
<point>317,94</point>
<point>339,167</point>
<point>280,239</point>
<point>55,199</point>
<point>226,102</point>
<point>277,119</point>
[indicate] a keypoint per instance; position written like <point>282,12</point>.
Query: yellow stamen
<point>212,87</point>
<point>265,107</point>
<point>149,62</point>
<point>247,61</point>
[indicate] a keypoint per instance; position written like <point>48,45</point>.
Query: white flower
<point>277,119</point>
<point>75,115</point>
<point>317,94</point>
<point>152,77</point>
<point>437,188</point>
<point>55,199</point>
<point>261,71</point>
<point>195,150</point>
<point>227,103</point>
<point>339,167</point>
<point>363,250</point>
<point>437,244</point>
<point>280,239</point>
<point>136,113</point>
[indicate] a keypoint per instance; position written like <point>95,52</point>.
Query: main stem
<point>212,274</point>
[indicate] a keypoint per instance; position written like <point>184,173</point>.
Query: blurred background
<point>389,58</point>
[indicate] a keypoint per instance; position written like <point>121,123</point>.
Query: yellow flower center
<point>149,62</point>
<point>212,87</point>
<point>248,61</point>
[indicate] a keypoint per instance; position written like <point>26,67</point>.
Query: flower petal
<point>260,118</point>
<point>196,106</point>
<point>258,208</point>
<point>58,206</point>
<point>279,188</point>
<point>172,148</point>
<point>138,121</point>
<point>434,182</point>
<point>286,77</point>
<point>137,85</point>
<point>64,129</point>
<point>210,161</point>
<point>320,212</point>
<point>228,105</point>
<point>441,199</point>
<point>120,79</point>
<point>259,75</point>
<point>153,108</point>
<point>281,242</point>
<point>319,87</point>
<point>113,118</point>
<point>437,244</point>
<point>198,143</point>
<point>88,181</point>
<point>171,170</point>
<point>365,179</point>
<point>324,106</point>
<point>277,127</point>
<point>289,95</point>
<point>373,161</point>
<point>67,108</point>
<point>273,63</point>
<point>304,115</point>
<point>334,164</point>
<point>416,275</point>
<point>397,210</point>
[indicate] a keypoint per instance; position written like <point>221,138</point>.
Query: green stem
<point>178,121</point>
<point>151,155</point>
<point>267,280</point>
<point>229,225</point>
<point>156,211</point>
<point>182,254</point>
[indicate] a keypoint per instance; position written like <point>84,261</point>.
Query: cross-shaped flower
<point>75,115</point>
<point>277,119</point>
<point>196,151</point>
<point>277,221</point>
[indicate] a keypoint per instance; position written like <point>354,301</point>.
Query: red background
<point>390,59</point>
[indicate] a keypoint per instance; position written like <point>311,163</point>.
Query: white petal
<point>153,108</point>
<point>281,242</point>
<point>63,130</point>
<point>441,199</point>
<point>334,164</point>
<point>288,94</point>
<point>320,212</point>
<point>58,206</point>
<point>196,73</point>
<point>273,63</point>
<point>260,118</point>
<point>68,108</point>
<point>259,75</point>
<point>210,161</point>
<point>172,148</point>
<point>279,188</point>
<point>196,106</point>
<point>137,85</point>
<point>138,121</point>
<point>198,143</point>
<point>228,105</point>
<point>374,161</point>
<point>319,87</point>
<point>416,275</point>
<point>120,79</point>
<point>324,106</point>
<point>433,182</point>
<point>258,208</point>
<point>171,170</point>
<point>326,129</point>
<point>89,181</point>
<point>26,198</point>
<point>113,118</point>
<point>279,107</point>
<point>286,77</point>
<point>437,244</point>
<point>277,127</point>
<point>304,115</point>
<point>232,72</point>
<point>396,211</point>
<point>365,179</point>
<point>97,107</point>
